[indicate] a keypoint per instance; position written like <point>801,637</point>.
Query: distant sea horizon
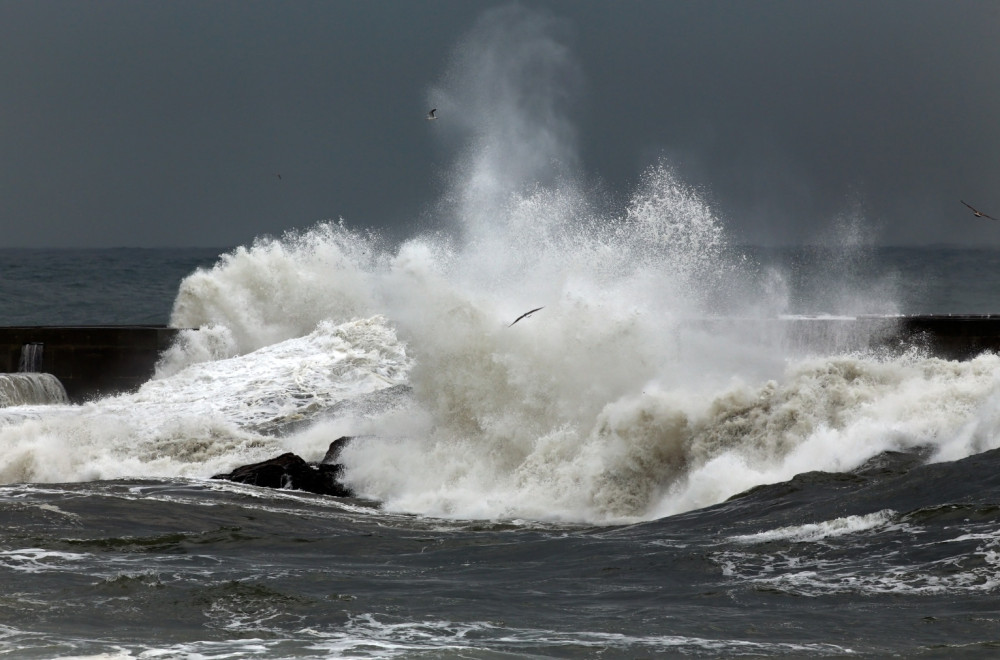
<point>137,286</point>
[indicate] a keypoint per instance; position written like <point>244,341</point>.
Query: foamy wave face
<point>666,451</point>
<point>833,414</point>
<point>817,532</point>
<point>279,289</point>
<point>210,417</point>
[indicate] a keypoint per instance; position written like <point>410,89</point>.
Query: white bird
<point>431,115</point>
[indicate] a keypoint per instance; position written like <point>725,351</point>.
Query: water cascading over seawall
<point>30,389</point>
<point>88,361</point>
<point>31,357</point>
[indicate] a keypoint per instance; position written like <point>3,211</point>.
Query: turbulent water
<point>25,389</point>
<point>610,475</point>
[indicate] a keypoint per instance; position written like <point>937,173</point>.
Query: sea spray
<point>276,289</point>
<point>593,408</point>
<point>508,94</point>
<point>614,402</point>
<point>836,275</point>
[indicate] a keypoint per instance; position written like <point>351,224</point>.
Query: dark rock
<point>290,471</point>
<point>333,453</point>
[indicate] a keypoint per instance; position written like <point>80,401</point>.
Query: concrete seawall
<point>90,361</point>
<point>950,337</point>
<point>97,361</point>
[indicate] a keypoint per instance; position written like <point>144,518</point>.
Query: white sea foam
<point>365,633</point>
<point>209,417</point>
<point>816,532</point>
<point>966,564</point>
<point>38,560</point>
<point>273,291</point>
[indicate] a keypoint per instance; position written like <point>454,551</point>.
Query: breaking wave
<point>610,403</point>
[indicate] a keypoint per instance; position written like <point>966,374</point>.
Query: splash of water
<point>590,409</point>
<point>608,404</point>
<point>507,94</point>
<point>272,291</point>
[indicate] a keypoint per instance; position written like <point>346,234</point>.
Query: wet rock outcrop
<point>292,472</point>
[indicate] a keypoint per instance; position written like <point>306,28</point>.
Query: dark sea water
<point>94,287</point>
<point>818,505</point>
<point>122,286</point>
<point>888,559</point>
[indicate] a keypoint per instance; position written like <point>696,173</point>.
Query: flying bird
<point>525,315</point>
<point>431,115</point>
<point>978,213</point>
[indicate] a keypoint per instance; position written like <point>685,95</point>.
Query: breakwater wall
<point>950,337</point>
<point>94,361</point>
<point>89,361</point>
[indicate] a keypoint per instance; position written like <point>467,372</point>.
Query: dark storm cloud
<point>141,123</point>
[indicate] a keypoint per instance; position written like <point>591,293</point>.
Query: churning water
<point>608,475</point>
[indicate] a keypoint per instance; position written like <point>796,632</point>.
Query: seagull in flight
<point>525,315</point>
<point>431,115</point>
<point>978,213</point>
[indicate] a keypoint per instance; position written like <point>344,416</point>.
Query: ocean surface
<point>123,286</point>
<point>609,476</point>
<point>94,287</point>
<point>574,485</point>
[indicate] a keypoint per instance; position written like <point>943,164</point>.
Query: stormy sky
<point>140,123</point>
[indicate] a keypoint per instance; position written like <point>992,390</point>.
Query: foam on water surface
<point>953,561</point>
<point>817,532</point>
<point>372,634</point>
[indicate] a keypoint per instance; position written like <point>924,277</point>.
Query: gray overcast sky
<point>131,123</point>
